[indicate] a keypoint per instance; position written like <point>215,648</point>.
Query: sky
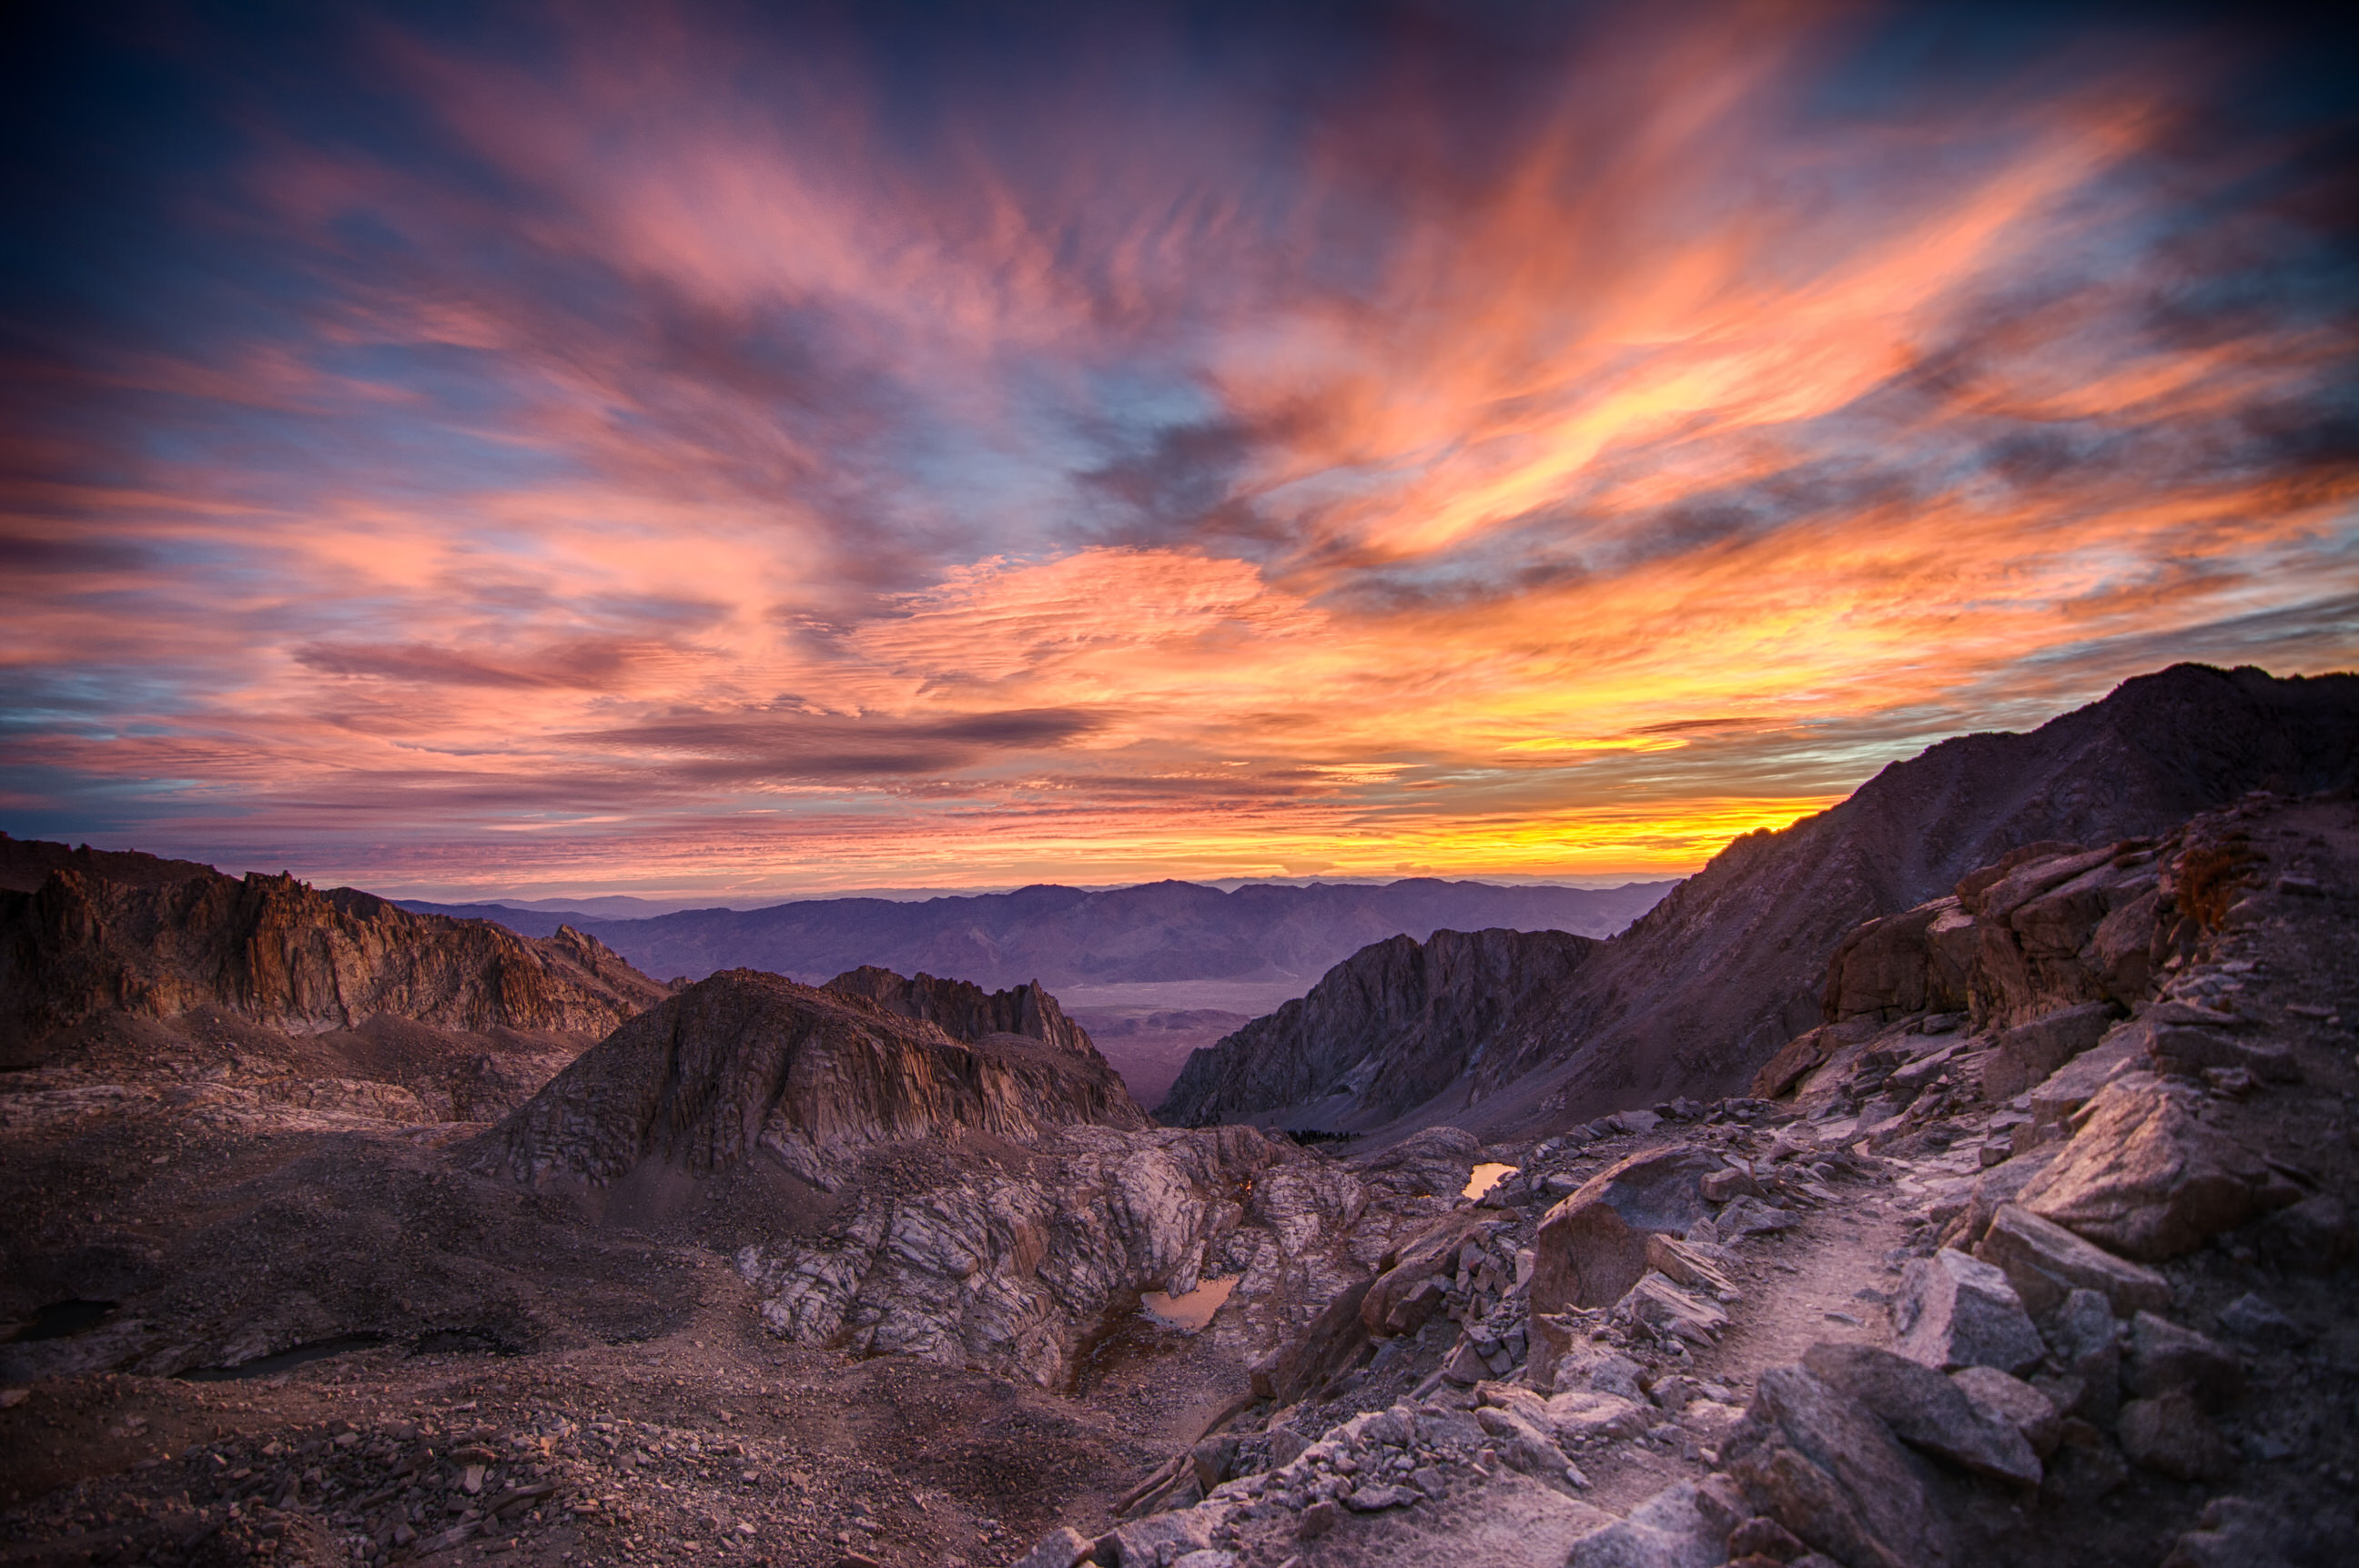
<point>735,451</point>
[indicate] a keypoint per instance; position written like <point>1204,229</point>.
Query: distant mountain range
<point>1160,932</point>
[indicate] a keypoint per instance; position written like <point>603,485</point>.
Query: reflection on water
<point>1486,1177</point>
<point>1190,1311</point>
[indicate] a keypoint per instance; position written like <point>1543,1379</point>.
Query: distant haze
<point>1124,948</point>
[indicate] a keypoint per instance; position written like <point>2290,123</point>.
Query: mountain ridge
<point>99,934</point>
<point>1766,914</point>
<point>1416,1008</point>
<point>1168,931</point>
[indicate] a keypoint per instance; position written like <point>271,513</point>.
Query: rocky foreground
<point>2039,1249</point>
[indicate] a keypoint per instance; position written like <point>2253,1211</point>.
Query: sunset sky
<point>738,450</point>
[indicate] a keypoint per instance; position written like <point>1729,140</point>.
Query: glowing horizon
<point>540,457</point>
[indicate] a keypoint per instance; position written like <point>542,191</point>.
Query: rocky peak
<point>963,1009</point>
<point>1635,1024</point>
<point>1385,1031</point>
<point>746,1062</point>
<point>26,863</point>
<point>157,939</point>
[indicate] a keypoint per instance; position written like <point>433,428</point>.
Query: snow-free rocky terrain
<point>2031,1244</point>
<point>1699,990</point>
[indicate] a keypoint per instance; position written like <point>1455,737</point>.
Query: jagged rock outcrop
<point>122,933</point>
<point>1711,981</point>
<point>1017,1269</point>
<point>747,1062</point>
<point>963,1008</point>
<point>1708,985</point>
<point>1385,1029</point>
<point>1916,962</point>
<point>1001,1198</point>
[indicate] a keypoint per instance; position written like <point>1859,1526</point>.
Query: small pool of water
<point>61,1319</point>
<point>1487,1176</point>
<point>1190,1311</point>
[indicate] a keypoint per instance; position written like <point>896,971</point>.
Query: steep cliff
<point>1708,985</point>
<point>1387,1029</point>
<point>746,1061</point>
<point>122,933</point>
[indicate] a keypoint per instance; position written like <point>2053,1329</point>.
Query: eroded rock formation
<point>110,934</point>
<point>963,1009</point>
<point>746,1061</point>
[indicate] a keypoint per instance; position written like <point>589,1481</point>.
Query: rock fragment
<point>1582,1414</point>
<point>2045,1262</point>
<point>2015,1402</point>
<point>1828,1470</point>
<point>1592,1248</point>
<point>2256,1322</point>
<point>2170,1434</point>
<point>1683,1526</point>
<point>2082,1336</point>
<point>1955,1312</point>
<point>2313,1236</point>
<point>1765,1538</point>
<point>1664,1309</point>
<point>1747,1217</point>
<point>1406,1295</point>
<point>2028,1053</point>
<point>1161,1539</point>
<point>2234,1532</point>
<point>1060,1548</point>
<point>2146,1177</point>
<point>2085,1466</point>
<point>1927,1410</point>
<point>1523,1445</point>
<point>2164,1357</point>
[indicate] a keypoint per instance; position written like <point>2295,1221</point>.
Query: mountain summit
<point>1706,985</point>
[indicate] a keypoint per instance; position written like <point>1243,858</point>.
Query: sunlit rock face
<point>131,934</point>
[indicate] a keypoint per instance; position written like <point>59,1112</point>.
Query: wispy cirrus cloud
<point>776,454</point>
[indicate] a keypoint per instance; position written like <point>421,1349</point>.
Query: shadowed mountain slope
<point>1160,932</point>
<point>1700,990</point>
<point>1387,1029</point>
<point>746,1061</point>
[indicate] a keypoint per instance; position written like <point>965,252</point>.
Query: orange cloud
<point>636,478</point>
